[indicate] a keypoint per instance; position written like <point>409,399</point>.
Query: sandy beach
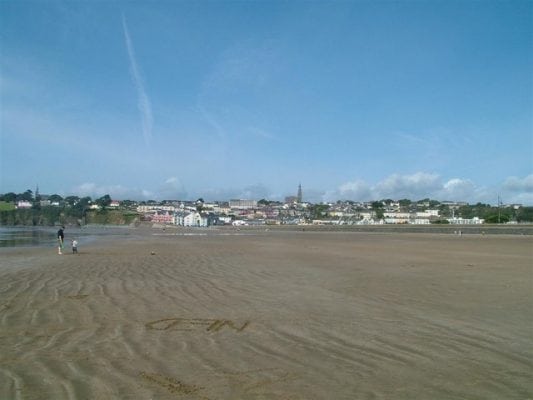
<point>270,314</point>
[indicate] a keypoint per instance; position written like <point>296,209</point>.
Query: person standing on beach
<point>60,240</point>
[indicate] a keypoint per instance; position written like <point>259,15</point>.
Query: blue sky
<point>357,100</point>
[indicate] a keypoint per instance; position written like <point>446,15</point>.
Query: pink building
<point>163,217</point>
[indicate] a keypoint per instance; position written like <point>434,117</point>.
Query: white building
<point>145,209</point>
<point>427,214</point>
<point>396,217</point>
<point>242,204</point>
<point>466,221</point>
<point>420,221</point>
<point>24,204</point>
<point>192,219</point>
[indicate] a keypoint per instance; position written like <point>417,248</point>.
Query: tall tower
<point>299,196</point>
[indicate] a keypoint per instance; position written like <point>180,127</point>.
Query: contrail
<point>143,102</point>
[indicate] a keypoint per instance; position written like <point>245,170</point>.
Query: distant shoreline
<point>519,229</point>
<point>142,228</point>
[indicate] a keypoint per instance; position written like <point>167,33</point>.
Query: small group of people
<point>61,240</point>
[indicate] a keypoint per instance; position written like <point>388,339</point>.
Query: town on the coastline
<point>294,210</point>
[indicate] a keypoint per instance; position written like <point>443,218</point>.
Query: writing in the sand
<point>190,324</point>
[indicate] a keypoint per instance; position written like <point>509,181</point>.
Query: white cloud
<point>116,192</point>
<point>458,190</point>
<point>171,189</point>
<point>257,191</point>
<point>213,122</point>
<point>415,186</point>
<point>525,199</point>
<point>517,190</point>
<point>252,192</point>
<point>85,189</point>
<point>146,194</point>
<point>246,65</point>
<point>262,134</point>
<point>428,185</point>
<point>143,102</point>
<point>514,184</point>
<point>241,72</point>
<point>358,189</point>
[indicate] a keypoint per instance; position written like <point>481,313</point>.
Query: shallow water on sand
<point>29,236</point>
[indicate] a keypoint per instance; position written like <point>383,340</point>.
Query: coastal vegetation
<point>50,216</point>
<point>55,210</point>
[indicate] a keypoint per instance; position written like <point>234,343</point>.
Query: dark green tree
<point>405,202</point>
<point>524,214</point>
<point>318,211</point>
<point>497,218</point>
<point>26,196</point>
<point>127,204</point>
<point>444,211</point>
<point>377,207</point>
<point>104,201</point>
<point>465,212</point>
<point>199,204</point>
<point>72,200</point>
<point>9,197</point>
<point>55,198</point>
<point>79,208</point>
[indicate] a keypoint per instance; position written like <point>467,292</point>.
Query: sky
<point>354,100</point>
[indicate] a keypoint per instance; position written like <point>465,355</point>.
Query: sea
<point>28,236</point>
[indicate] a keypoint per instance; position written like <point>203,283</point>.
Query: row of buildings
<point>250,212</point>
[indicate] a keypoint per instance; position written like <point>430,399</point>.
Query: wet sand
<point>270,315</point>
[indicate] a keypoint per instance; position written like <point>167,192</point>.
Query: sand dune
<point>270,315</point>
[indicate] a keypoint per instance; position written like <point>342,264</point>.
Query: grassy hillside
<point>49,216</point>
<point>111,217</point>
<point>4,206</point>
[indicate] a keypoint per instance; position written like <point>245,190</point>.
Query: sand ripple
<point>270,316</point>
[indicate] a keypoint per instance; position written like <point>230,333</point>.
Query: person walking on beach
<point>74,246</point>
<point>60,239</point>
